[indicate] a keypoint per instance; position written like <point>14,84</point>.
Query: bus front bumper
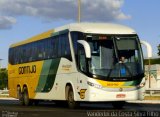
<point>99,95</point>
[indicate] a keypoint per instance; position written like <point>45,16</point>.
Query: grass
<point>152,98</point>
<point>4,96</point>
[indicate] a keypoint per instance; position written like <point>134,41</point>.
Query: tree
<point>158,50</point>
<point>3,78</point>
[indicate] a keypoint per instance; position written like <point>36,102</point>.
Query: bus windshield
<point>115,57</point>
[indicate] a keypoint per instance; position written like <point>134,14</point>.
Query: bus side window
<point>49,49</point>
<point>40,47</point>
<point>55,47</point>
<point>67,52</point>
<point>64,46</point>
<point>76,36</point>
<point>12,56</point>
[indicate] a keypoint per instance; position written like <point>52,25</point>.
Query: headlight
<point>94,85</point>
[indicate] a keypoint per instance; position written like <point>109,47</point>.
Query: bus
<point>79,62</point>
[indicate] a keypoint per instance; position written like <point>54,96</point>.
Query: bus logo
<point>27,69</point>
<point>82,93</point>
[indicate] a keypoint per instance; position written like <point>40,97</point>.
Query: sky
<point>21,19</point>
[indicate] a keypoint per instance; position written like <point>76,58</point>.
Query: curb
<point>152,98</point>
<point>7,98</point>
<point>146,101</point>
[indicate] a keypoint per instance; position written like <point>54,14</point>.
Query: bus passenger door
<point>83,70</point>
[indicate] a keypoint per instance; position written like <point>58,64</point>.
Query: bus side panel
<point>66,73</point>
<point>24,75</point>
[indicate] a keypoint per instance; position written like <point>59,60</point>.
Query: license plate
<point>120,95</point>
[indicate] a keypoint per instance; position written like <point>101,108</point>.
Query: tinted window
<point>75,36</point>
<point>49,48</point>
<point>64,46</point>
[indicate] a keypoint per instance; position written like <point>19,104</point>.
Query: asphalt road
<point>11,108</point>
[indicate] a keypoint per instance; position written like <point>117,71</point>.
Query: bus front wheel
<point>71,103</point>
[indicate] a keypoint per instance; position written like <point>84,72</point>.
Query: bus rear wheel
<point>20,96</point>
<point>26,99</point>
<point>70,99</point>
<point>118,104</point>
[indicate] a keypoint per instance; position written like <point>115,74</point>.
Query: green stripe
<point>44,75</point>
<point>48,75</point>
<point>52,75</point>
<point>132,83</point>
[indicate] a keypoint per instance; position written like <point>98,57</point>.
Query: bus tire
<point>20,96</point>
<point>118,104</point>
<point>70,99</point>
<point>27,101</point>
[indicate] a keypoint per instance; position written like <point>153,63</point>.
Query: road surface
<point>11,108</point>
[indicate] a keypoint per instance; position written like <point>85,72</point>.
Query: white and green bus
<point>80,62</point>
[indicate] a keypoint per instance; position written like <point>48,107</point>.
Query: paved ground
<point>49,109</point>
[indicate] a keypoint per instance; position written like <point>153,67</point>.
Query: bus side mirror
<point>86,48</point>
<point>149,48</point>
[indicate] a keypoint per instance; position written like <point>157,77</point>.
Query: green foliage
<point>3,78</point>
<point>152,61</point>
<point>158,50</point>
